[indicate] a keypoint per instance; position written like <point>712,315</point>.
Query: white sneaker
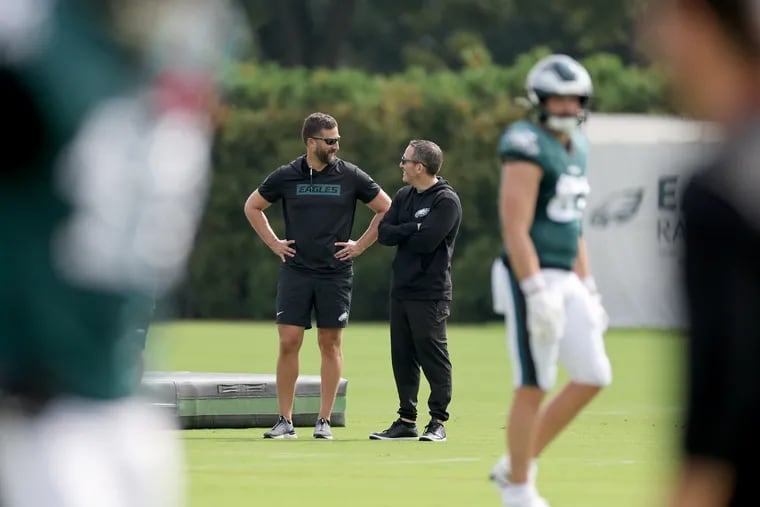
<point>513,495</point>
<point>521,495</point>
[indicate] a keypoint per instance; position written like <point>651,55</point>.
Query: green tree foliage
<point>390,35</point>
<point>233,274</point>
<point>620,88</point>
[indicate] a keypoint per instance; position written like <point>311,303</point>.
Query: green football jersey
<point>562,192</point>
<point>88,222</point>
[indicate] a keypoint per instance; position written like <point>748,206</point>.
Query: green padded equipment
<point>236,400</point>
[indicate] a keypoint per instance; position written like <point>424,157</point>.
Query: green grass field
<point>620,451</point>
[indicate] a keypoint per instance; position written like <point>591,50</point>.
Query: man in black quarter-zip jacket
<point>423,223</point>
<point>318,193</point>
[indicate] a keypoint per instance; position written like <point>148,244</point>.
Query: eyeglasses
<point>328,140</point>
<point>406,160</point>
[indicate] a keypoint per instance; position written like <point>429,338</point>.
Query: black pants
<point>418,339</point>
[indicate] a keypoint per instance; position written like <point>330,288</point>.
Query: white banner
<point>638,166</point>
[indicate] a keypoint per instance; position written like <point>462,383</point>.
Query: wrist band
<point>532,284</point>
<point>590,284</point>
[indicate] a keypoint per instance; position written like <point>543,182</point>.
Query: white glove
<point>545,309</point>
<point>600,313</point>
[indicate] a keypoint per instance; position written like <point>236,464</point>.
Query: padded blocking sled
<point>236,400</point>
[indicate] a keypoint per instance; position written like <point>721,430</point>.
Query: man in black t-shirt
<point>318,193</point>
<point>711,50</point>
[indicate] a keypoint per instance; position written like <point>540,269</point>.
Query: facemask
<point>563,124</point>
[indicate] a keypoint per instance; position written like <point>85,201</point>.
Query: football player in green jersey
<point>553,311</point>
<point>103,177</point>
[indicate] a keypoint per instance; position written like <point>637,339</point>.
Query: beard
<point>325,156</point>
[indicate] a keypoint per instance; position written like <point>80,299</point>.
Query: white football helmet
<point>559,75</point>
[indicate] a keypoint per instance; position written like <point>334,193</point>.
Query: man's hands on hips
<point>545,308</point>
<point>282,248</point>
<point>350,250</point>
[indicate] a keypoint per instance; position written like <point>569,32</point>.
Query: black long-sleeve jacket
<point>721,209</point>
<point>422,265</point>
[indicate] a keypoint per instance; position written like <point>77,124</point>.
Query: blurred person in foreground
<point>103,177</point>
<point>423,223</point>
<point>711,54</point>
<point>318,192</point>
<point>553,311</point>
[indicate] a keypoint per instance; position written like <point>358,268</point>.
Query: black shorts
<point>298,293</point>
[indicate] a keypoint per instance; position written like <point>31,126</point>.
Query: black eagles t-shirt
<point>319,209</point>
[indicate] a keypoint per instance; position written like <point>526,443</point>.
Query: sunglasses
<point>407,160</point>
<point>328,140</point>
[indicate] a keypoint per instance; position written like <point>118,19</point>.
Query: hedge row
<point>233,275</point>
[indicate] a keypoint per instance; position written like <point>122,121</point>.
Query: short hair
<point>315,123</point>
<point>428,154</point>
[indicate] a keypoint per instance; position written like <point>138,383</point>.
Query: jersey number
<point>136,183</point>
<point>569,199</point>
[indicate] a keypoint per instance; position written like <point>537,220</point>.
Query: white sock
<point>522,490</point>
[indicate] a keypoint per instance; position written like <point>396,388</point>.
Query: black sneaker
<point>282,429</point>
<point>434,432</point>
<point>322,429</point>
<point>399,430</point>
